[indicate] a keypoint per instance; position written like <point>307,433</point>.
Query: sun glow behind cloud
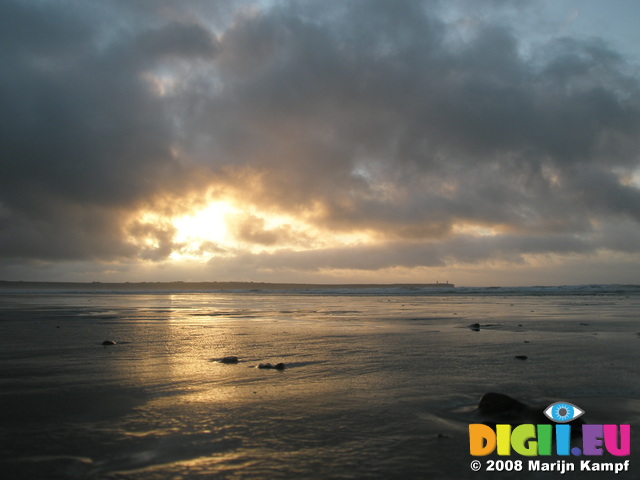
<point>223,228</point>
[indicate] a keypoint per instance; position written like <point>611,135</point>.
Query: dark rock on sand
<point>476,326</point>
<point>278,366</point>
<point>496,403</point>
<point>108,342</point>
<point>229,360</point>
<point>495,408</point>
<point>520,357</point>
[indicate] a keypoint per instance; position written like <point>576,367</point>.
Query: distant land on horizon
<point>203,286</point>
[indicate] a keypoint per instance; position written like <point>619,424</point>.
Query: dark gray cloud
<point>362,116</point>
<point>83,138</point>
<point>424,254</point>
<point>375,119</point>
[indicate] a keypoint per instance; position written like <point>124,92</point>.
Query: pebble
<point>278,366</point>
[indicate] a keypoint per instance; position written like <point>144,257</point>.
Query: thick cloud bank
<point>446,142</point>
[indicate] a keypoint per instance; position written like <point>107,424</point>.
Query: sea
<point>378,383</point>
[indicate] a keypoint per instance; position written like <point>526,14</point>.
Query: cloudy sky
<point>487,142</point>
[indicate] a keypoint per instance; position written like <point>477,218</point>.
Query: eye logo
<point>563,412</point>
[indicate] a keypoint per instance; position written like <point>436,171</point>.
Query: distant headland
<point>203,286</point>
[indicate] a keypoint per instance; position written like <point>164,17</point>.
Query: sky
<point>482,143</point>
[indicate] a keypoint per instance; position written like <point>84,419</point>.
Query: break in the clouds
<point>358,137</point>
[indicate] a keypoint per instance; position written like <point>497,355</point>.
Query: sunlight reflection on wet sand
<point>373,386</point>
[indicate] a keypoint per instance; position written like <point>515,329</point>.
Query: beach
<point>376,384</point>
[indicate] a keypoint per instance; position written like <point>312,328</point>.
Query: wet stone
<point>229,360</point>
<point>278,366</point>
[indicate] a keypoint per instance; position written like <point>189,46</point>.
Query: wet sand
<point>374,386</point>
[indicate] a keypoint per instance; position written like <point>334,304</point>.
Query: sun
<point>206,224</point>
<point>203,230</point>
